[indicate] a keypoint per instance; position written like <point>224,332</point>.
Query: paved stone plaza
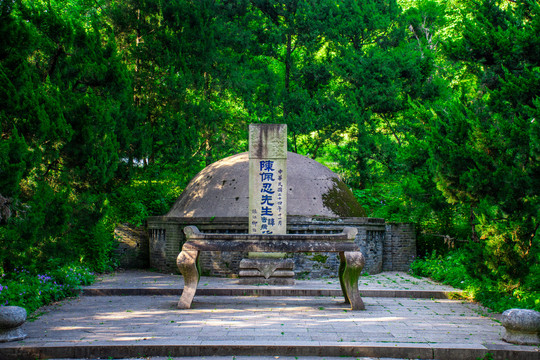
<point>120,326</point>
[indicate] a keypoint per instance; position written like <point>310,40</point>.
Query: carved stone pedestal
<point>522,326</point>
<point>11,320</point>
<point>266,271</point>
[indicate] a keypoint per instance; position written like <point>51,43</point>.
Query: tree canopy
<point>428,110</point>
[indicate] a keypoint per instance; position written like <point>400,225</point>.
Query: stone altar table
<point>351,259</point>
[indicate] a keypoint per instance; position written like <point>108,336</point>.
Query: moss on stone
<point>340,200</point>
<point>320,258</point>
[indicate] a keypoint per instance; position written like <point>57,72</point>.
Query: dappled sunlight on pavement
<point>279,324</point>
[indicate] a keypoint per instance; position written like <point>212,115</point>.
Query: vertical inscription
<point>268,179</point>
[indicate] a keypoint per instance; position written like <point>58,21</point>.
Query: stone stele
<point>11,320</point>
<point>267,203</point>
<point>267,179</point>
<point>522,326</point>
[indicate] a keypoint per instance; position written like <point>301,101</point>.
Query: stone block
<point>270,281</point>
<point>267,268</point>
<point>281,264</point>
<point>257,273</point>
<point>11,320</point>
<point>522,326</point>
<point>266,271</point>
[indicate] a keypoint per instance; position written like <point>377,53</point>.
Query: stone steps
<point>248,349</point>
<point>271,291</point>
<point>307,321</point>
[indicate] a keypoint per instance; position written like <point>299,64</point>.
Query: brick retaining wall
<point>399,247</point>
<point>387,247</point>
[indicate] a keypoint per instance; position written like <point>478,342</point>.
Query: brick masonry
<point>399,247</point>
<point>387,247</point>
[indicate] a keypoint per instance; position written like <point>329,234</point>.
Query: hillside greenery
<point>429,110</point>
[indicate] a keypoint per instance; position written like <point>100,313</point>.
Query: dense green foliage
<point>32,291</point>
<point>454,269</point>
<point>428,110</point>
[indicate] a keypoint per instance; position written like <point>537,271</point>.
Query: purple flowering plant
<point>31,291</point>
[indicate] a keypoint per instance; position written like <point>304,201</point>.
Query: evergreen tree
<point>66,92</point>
<point>483,144</point>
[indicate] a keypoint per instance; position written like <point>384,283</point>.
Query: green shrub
<point>134,202</point>
<point>31,291</point>
<point>448,269</point>
<point>463,269</point>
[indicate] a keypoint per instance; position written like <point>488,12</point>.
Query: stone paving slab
<point>219,327</point>
<point>252,358</point>
<point>388,284</point>
<point>145,279</point>
<point>281,326</point>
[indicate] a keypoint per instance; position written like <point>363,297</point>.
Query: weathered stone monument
<point>268,178</point>
<point>216,200</point>
<point>267,203</point>
<point>267,229</point>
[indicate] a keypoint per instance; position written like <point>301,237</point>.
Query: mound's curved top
<point>221,190</point>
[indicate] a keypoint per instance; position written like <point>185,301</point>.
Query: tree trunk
<point>287,76</point>
<point>472,218</point>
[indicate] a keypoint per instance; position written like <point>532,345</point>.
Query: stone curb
<point>239,291</point>
<point>389,350</point>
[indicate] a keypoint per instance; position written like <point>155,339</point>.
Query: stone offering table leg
<point>350,267</point>
<point>341,271</point>
<point>187,262</point>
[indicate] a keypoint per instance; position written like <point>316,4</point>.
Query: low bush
<point>461,269</point>
<point>31,291</point>
<point>58,228</point>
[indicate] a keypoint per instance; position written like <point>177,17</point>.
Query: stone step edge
<point>240,291</point>
<point>438,351</point>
